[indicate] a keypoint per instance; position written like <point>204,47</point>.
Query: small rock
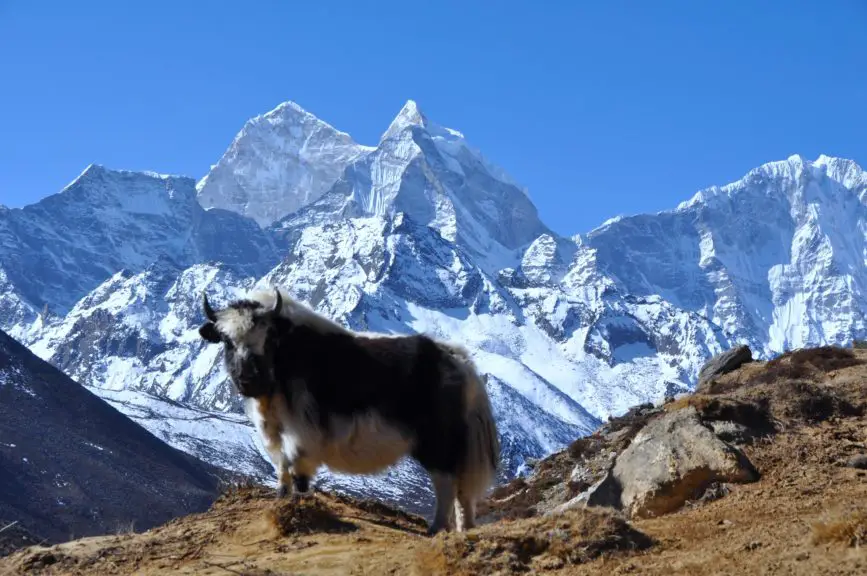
<point>715,491</point>
<point>581,476</point>
<point>724,523</point>
<point>732,432</point>
<point>723,363</point>
<point>802,556</point>
<point>859,461</point>
<point>627,568</point>
<point>550,563</point>
<point>753,546</point>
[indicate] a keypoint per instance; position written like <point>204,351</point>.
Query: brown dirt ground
<point>806,515</point>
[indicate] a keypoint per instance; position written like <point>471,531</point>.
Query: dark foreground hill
<point>760,474</point>
<point>71,465</point>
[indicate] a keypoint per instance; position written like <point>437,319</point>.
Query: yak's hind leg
<point>444,489</point>
<point>465,511</point>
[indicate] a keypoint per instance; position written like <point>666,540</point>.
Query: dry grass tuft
<point>305,516</point>
<point>806,362</point>
<point>125,528</point>
<point>811,403</point>
<point>698,401</point>
<point>755,413</point>
<point>518,498</point>
<point>576,537</point>
<point>850,530</point>
<point>511,487</point>
<point>234,486</point>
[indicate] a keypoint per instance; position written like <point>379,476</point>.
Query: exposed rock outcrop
<point>723,363</point>
<point>671,460</point>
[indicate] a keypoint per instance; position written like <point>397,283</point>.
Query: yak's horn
<point>209,312</point>
<point>278,302</point>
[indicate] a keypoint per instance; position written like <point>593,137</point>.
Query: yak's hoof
<point>282,491</point>
<point>433,530</point>
<point>301,484</point>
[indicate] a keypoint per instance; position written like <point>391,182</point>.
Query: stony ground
<point>801,423</point>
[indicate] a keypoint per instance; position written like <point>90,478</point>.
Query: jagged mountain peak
<point>278,163</point>
<point>433,175</point>
<point>409,116</point>
<point>105,194</point>
<point>450,142</point>
<point>844,171</point>
<point>94,173</point>
<point>291,112</point>
<point>105,220</point>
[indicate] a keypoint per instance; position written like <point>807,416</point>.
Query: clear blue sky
<point>599,108</point>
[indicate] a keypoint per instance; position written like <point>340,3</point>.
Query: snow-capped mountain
<point>278,163</point>
<point>54,252</point>
<point>777,259</point>
<point>434,177</point>
<point>422,233</point>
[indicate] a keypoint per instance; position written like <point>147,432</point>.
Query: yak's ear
<point>209,332</point>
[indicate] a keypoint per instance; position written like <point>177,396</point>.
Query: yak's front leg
<point>303,469</point>
<point>272,432</point>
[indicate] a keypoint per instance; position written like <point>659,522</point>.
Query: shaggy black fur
<point>410,381</point>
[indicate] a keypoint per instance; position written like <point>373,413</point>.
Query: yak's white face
<point>246,330</point>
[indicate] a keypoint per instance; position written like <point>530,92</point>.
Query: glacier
<point>421,233</point>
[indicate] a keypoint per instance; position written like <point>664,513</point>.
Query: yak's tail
<point>482,454</point>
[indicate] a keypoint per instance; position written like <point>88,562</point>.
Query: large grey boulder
<point>722,363</point>
<point>671,460</point>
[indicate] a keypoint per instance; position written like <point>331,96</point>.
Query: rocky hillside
<point>73,466</point>
<point>763,472</point>
<point>421,233</point>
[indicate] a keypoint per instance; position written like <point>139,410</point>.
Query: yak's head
<point>248,331</point>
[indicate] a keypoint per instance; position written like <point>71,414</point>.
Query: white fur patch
<point>298,312</point>
<point>234,323</point>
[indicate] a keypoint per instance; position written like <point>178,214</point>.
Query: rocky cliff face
<point>422,233</point>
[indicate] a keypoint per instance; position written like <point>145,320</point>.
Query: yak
<point>357,402</point>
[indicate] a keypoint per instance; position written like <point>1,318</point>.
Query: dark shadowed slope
<point>72,466</point>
